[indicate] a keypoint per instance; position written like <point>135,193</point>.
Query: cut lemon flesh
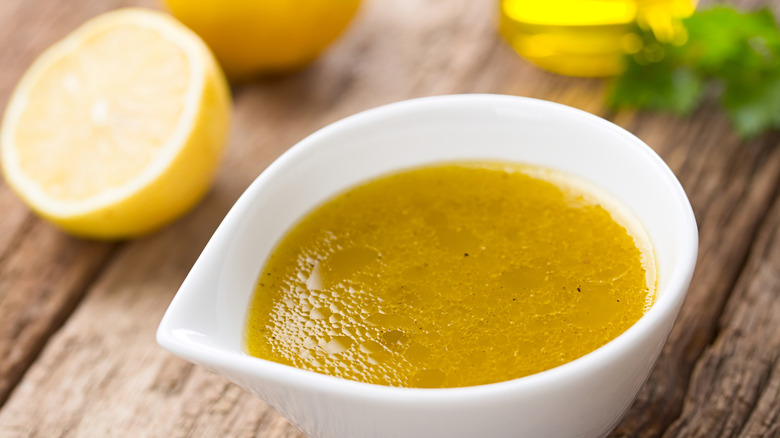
<point>118,128</point>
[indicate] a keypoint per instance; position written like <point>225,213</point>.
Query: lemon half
<point>118,128</point>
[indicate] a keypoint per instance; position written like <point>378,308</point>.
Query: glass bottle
<point>588,37</point>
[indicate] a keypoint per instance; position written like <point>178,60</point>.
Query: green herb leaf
<point>660,86</point>
<point>727,50</point>
<point>754,106</point>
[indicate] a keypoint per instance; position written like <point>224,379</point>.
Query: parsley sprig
<point>731,55</point>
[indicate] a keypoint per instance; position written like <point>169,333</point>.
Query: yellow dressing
<point>451,275</point>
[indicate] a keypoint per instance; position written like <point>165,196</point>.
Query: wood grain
<point>77,350</point>
<point>734,388</point>
<point>42,278</point>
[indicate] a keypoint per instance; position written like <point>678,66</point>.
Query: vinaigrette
<point>453,275</point>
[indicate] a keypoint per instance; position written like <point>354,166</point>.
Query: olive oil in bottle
<point>587,37</point>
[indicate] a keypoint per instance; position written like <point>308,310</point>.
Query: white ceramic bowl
<point>583,398</point>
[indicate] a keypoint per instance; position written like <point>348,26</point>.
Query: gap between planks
<point>18,369</point>
<point>725,397</point>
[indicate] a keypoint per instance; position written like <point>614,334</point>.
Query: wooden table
<point>77,318</point>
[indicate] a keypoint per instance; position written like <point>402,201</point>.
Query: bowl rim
<point>665,305</point>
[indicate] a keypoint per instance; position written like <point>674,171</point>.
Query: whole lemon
<point>250,37</point>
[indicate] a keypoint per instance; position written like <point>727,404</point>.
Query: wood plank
<point>735,387</point>
<point>41,282</point>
